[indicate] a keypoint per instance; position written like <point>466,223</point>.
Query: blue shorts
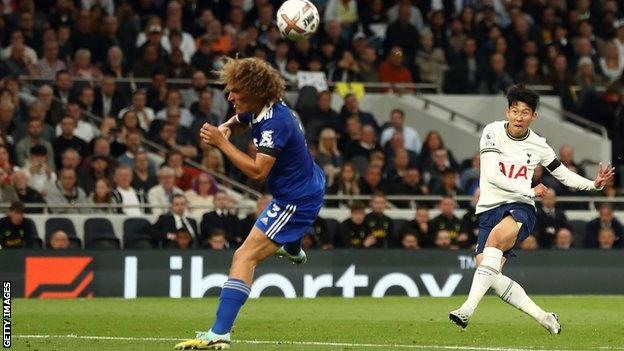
<point>284,222</point>
<point>521,213</point>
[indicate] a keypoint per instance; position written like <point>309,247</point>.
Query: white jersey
<point>518,159</point>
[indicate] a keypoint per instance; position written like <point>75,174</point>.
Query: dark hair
<point>357,206</point>
<point>17,207</point>
<point>518,93</point>
<point>38,150</point>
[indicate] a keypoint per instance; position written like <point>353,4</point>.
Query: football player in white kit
<point>510,151</point>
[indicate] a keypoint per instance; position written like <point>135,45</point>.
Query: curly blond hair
<point>254,77</point>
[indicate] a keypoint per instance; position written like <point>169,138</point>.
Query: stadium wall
<point>347,273</point>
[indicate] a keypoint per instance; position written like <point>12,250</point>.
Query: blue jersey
<point>295,177</point>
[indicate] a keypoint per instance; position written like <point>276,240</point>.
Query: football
<point>297,19</point>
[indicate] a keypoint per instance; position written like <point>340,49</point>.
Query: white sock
<point>484,277</point>
<point>512,293</point>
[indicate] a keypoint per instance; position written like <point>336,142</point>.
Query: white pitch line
<point>299,343</point>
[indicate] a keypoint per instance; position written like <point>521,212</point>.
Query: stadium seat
<point>60,223</point>
<point>37,242</point>
<point>99,234</point>
<point>137,234</point>
<point>578,231</point>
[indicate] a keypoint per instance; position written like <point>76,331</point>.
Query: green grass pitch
<point>589,322</point>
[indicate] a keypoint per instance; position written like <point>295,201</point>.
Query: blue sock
<point>293,247</point>
<point>233,297</point>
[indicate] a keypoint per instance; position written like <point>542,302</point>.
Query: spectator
<point>393,70</point>
<point>143,176</point>
<point>443,240</point>
<point>549,219</point>
<point>396,170</point>
<point>466,71</point>
<point>109,100</point>
<point>49,64</point>
<point>134,145</point>
<point>59,240</point>
<point>100,168</point>
<point>124,194</point>
<point>563,239</point>
<point>54,108</point>
<point>430,61</point>
<point>183,240</point>
<point>328,153</point>
<point>17,231</point>
<point>115,65</point>
<point>435,171</point>
<point>402,32</point>
<point>433,141</point>
<point>213,160</point>
<point>378,225</point>
<point>102,196</point>
<point>321,116</point>
<point>497,80</point>
<point>25,193</point>
<point>38,171</point>
<point>222,218</point>
<point>139,106</point>
<point>408,184</point>
<point>183,174</point>
<point>159,196</point>
<point>63,89</point>
<point>365,146</point>
<point>397,125</point>
<point>67,139</point>
<point>368,64</point>
<point>448,186</point>
<point>530,73</point>
<point>65,195</point>
<point>82,67</point>
<point>604,220</point>
<point>347,69</point>
<point>419,226</point>
<point>371,181</point>
<point>352,232</point>
<point>23,147</point>
<point>172,135</point>
<point>409,241</point>
<point>129,122</point>
<point>606,238</point>
<point>446,221</point>
<point>217,240</point>
<point>7,121</point>
<point>165,229</point>
<point>351,107</point>
<point>346,183</point>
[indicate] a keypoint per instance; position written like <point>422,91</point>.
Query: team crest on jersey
<point>267,139</point>
<point>273,211</point>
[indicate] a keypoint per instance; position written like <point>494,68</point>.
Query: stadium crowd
<point>76,135</point>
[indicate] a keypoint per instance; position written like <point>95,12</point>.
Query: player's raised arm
<point>573,180</point>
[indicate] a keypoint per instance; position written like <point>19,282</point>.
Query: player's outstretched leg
<point>293,252</point>
<point>512,293</point>
<point>502,237</point>
<point>235,292</point>
<point>484,277</point>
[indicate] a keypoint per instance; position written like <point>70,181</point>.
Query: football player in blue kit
<point>296,182</point>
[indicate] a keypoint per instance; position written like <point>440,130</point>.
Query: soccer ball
<point>297,19</point>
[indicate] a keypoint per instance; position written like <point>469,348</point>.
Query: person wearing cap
<point>16,231</point>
